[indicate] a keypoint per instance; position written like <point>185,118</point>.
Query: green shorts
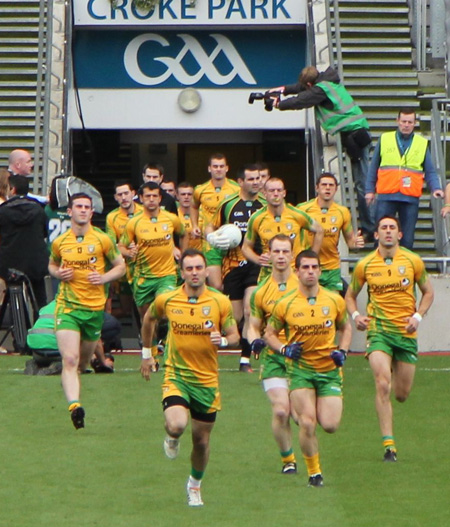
<point>201,399</point>
<point>214,256</point>
<point>145,290</point>
<point>87,323</point>
<point>331,279</point>
<point>273,365</point>
<point>326,384</point>
<point>400,348</point>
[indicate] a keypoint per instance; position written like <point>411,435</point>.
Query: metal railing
<point>440,119</point>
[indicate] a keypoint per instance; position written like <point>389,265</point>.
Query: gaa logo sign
<point>191,50</point>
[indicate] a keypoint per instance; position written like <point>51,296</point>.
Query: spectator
<point>23,229</point>
<point>4,185</point>
<point>169,186</point>
<point>20,163</point>
<point>400,162</point>
<point>337,113</point>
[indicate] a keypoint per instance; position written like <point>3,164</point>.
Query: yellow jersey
<point>194,243</point>
<point>154,239</point>
<point>190,354</point>
<point>333,220</point>
<point>312,321</point>
<point>391,289</point>
<point>209,198</point>
<point>118,218</point>
<point>83,254</point>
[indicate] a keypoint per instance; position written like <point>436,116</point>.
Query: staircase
<point>378,70</point>
<point>20,102</point>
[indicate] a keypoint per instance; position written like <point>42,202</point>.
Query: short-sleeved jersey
<point>209,198</point>
<point>312,321</point>
<point>193,243</point>
<point>333,220</point>
<point>58,222</point>
<point>154,239</point>
<point>263,226</point>
<point>118,218</point>
<point>84,254</point>
<point>265,296</point>
<point>237,211</point>
<point>190,354</point>
<point>391,288</point>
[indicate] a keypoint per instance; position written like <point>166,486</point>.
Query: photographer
<point>337,113</point>
<point>23,229</point>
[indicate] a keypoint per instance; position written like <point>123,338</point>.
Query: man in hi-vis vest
<point>337,113</point>
<point>400,163</point>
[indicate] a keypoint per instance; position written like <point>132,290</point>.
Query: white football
<point>232,233</point>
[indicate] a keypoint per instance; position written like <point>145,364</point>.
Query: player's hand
<point>215,336</point>
<point>359,240</point>
<point>176,254</point>
<point>148,366</point>
<point>95,278</point>
<point>257,346</point>
<point>196,232</point>
<point>264,260</point>
<point>412,324</point>
<point>65,274</point>
<point>339,357</point>
<point>292,351</point>
<point>218,241</point>
<point>132,250</point>
<point>362,322</point>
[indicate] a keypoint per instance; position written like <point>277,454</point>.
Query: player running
<point>273,369</point>
<point>198,315</point>
<point>311,318</point>
<point>391,273</point>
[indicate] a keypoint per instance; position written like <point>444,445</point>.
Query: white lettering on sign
<point>174,64</point>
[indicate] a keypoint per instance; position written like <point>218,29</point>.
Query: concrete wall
<point>434,330</point>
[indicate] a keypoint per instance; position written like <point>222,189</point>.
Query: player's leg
<point>69,347</point>
<point>278,394</point>
<point>329,413</point>
<point>402,379</point>
<point>303,402</point>
<point>202,425</point>
<point>245,316</point>
<point>381,364</point>
<point>215,276</point>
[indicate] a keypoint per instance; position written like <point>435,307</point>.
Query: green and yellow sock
<point>288,456</point>
<point>389,443</point>
<point>73,405</point>
<point>312,464</point>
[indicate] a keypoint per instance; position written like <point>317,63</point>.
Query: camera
<point>16,277</point>
<point>269,98</point>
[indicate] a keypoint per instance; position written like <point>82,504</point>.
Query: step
<point>413,82</point>
<point>377,49</point>
<point>389,91</point>
<point>379,62</point>
<point>362,10</point>
<point>381,74</point>
<point>388,3</point>
<point>377,30</point>
<point>371,22</point>
<point>17,50</point>
<point>349,41</point>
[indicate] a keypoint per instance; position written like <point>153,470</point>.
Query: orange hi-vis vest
<point>401,173</point>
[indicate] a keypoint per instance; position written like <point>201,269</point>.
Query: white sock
<point>194,482</point>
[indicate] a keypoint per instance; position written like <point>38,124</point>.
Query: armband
<point>418,317</point>
<point>355,314</point>
<point>146,353</point>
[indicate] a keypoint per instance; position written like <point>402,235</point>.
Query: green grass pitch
<point>113,473</point>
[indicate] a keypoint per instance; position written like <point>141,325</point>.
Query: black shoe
<point>77,416</point>
<point>390,456</point>
<point>289,468</point>
<point>245,368</point>
<point>315,481</point>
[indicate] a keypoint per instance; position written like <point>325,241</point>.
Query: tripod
<point>23,309</point>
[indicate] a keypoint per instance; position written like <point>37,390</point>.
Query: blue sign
<point>175,59</point>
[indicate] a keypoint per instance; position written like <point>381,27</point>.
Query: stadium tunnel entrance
<point>103,156</point>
